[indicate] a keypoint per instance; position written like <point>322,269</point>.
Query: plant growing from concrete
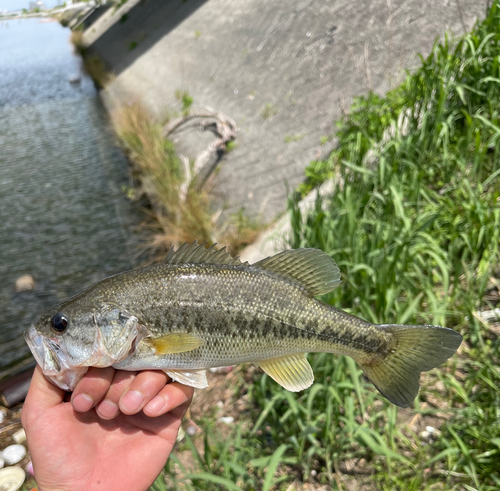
<point>269,111</point>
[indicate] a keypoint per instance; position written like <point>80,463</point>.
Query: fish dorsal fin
<point>195,253</point>
<point>313,269</point>
<point>292,372</point>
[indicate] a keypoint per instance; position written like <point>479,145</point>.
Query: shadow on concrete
<point>140,29</point>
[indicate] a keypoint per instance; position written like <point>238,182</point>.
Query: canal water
<point>64,218</point>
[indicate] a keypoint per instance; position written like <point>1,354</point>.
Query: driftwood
<point>225,130</point>
<point>15,382</point>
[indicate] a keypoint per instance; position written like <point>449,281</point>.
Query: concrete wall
<point>304,60</point>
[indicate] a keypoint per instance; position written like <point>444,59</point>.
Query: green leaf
<point>273,465</point>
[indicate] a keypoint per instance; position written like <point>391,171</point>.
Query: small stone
<point>25,283</point>
<point>220,404</point>
<point>13,454</point>
<point>191,430</point>
<point>19,436</point>
<point>228,420</point>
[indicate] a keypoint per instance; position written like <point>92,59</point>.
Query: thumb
<point>42,394</point>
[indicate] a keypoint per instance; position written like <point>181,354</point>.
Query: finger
<point>42,394</point>
<point>92,388</point>
<point>172,396</point>
<point>143,388</point>
<point>108,407</point>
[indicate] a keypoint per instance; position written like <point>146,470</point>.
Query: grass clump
<point>414,225</point>
<point>185,99</point>
<point>241,231</point>
<point>92,64</point>
<point>159,175</point>
<point>269,111</point>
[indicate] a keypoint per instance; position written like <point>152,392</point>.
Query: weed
<point>132,45</point>
<point>269,111</point>
<point>230,146</point>
<point>242,230</point>
<point>293,138</point>
<point>92,64</point>
<point>95,67</point>
<point>186,100</point>
<point>76,40</point>
<point>197,34</point>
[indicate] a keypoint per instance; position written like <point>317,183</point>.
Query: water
<point>63,217</point>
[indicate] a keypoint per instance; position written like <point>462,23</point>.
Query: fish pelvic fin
<point>292,372</point>
<point>312,269</point>
<point>416,349</point>
<point>193,378</point>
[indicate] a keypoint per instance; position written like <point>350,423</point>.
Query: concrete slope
<point>284,71</point>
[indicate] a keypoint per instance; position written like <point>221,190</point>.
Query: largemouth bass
<point>203,308</point>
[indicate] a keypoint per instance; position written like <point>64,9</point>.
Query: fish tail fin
<point>416,349</point>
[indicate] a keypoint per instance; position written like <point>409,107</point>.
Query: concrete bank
<point>284,72</point>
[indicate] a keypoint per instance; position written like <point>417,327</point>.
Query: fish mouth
<point>53,361</point>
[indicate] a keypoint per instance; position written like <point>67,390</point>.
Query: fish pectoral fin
<point>174,343</point>
<point>292,372</point>
<point>193,378</point>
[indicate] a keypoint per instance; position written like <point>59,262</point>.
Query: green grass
<point>414,225</point>
<point>269,111</point>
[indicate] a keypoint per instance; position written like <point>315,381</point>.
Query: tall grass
<point>414,226</point>
<point>158,174</point>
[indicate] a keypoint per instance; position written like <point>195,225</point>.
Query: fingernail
<point>107,409</point>
<point>156,405</point>
<point>82,403</point>
<point>131,401</point>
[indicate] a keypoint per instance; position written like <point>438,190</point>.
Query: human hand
<point>113,435</point>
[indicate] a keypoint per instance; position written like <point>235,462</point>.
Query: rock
<point>25,283</point>
<point>228,420</point>
<point>11,478</point>
<point>19,436</point>
<point>13,454</point>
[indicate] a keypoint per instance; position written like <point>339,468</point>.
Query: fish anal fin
<point>292,372</point>
<point>174,343</point>
<point>195,253</point>
<point>313,269</point>
<point>193,378</point>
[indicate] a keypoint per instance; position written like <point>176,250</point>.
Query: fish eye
<point>59,323</point>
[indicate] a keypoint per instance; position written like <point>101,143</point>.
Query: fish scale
<point>203,308</point>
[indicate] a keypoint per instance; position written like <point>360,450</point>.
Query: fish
<point>204,308</point>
